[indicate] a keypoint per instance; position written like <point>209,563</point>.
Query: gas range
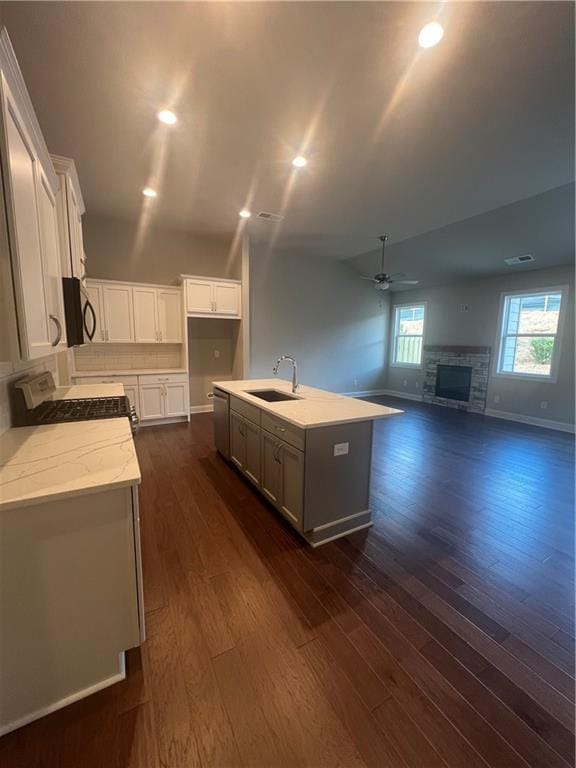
<point>33,405</point>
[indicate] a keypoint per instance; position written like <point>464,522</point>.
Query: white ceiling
<point>399,139</point>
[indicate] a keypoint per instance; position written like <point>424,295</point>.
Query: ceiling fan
<point>382,281</point>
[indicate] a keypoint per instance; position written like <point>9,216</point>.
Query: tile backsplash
<point>125,357</point>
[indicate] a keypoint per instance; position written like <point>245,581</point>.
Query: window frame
<point>551,377</point>
<point>395,314</point>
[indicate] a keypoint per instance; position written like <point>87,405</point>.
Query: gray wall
<point>447,323</point>
<point>320,312</point>
<point>122,250</point>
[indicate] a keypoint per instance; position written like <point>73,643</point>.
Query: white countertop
<point>40,464</point>
<point>127,372</point>
<point>314,408</point>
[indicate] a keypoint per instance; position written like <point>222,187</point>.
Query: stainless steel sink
<point>272,395</point>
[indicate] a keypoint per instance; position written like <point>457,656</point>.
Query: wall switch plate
<point>405,383</point>
<point>544,405</point>
<point>464,307</point>
<point>496,398</point>
<point>355,382</point>
<point>341,449</point>
<point>216,353</point>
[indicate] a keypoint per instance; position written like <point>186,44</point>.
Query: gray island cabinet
<point>310,455</point>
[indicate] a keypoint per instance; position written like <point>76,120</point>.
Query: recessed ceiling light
<point>430,35</point>
<point>167,116</point>
<point>244,214</point>
<point>149,192</point>
<point>299,162</point>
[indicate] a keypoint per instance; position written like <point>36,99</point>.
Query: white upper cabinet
<point>210,297</point>
<point>94,291</point>
<point>70,210</point>
<point>170,319</point>
<point>118,313</point>
<point>227,299</point>
<point>199,299</point>
<point>145,314</point>
<point>157,315</point>
<point>51,263</point>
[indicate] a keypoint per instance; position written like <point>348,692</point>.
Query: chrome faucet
<point>294,370</point>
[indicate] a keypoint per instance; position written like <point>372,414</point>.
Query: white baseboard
<point>405,395</point>
<point>534,420</point>
<point>201,408</point>
<point>364,393</point>
<point>56,705</point>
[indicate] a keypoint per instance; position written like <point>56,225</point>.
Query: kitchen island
<point>308,452</point>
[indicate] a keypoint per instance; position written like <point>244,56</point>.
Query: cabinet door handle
<point>58,330</point>
<point>279,429</point>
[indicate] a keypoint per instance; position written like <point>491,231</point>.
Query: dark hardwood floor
<point>441,637</point>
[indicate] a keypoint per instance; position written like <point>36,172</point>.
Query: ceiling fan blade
<point>398,274</point>
<point>362,277</point>
<point>405,282</point>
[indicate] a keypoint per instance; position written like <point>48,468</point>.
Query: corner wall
<point>448,323</point>
<point>319,311</point>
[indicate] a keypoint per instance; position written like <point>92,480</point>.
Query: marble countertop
<point>314,407</point>
<point>133,372</point>
<point>41,464</point>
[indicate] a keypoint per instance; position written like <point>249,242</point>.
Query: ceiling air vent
<point>519,259</point>
<point>269,216</point>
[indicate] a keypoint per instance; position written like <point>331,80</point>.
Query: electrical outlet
<point>417,385</point>
<point>544,405</point>
<point>216,353</point>
<point>405,383</point>
<point>464,307</point>
<point>496,398</point>
<point>355,382</point>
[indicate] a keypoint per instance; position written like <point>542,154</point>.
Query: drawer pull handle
<point>280,429</point>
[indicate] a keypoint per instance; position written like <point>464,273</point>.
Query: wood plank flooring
<point>442,637</point>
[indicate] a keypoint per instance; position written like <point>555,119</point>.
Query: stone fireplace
<point>456,377</point>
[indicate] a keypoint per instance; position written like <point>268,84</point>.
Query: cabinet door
<point>252,465</point>
<point>145,315</point>
<point>118,313</point>
<point>271,478</point>
<point>94,292</point>
<point>151,401</point>
<point>175,399</point>
<point>132,395</point>
<point>199,298</point>
<point>292,463</point>
<point>75,231</point>
<point>227,298</point>
<point>51,262</point>
<point>237,440</point>
<point>169,316</point>
<point>26,253</point>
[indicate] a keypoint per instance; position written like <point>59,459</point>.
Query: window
<point>408,334</point>
<point>529,343</point>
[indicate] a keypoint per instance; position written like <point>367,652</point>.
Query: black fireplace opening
<point>453,382</point>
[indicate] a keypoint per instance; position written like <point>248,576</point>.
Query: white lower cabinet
<point>163,396</point>
<point>154,396</point>
<point>151,401</point>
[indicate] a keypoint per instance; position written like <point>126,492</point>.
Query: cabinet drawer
<point>247,410</point>
<point>129,381</point>
<point>282,429</point>
<point>163,378</point>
